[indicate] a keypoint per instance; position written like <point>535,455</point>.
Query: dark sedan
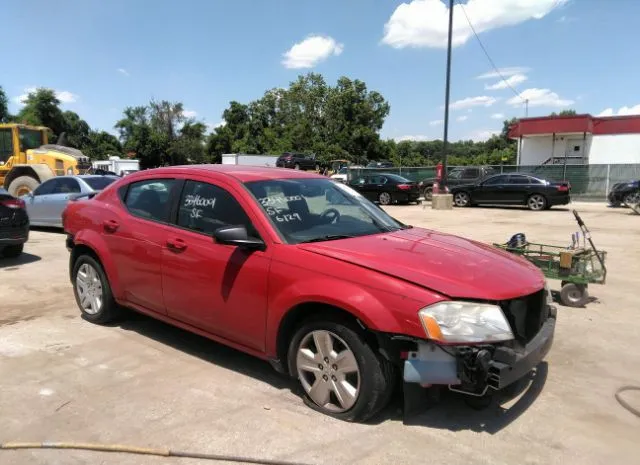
<point>387,188</point>
<point>298,161</point>
<point>627,193</point>
<point>513,189</point>
<point>14,225</point>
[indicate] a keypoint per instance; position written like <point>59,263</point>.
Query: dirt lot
<point>144,383</point>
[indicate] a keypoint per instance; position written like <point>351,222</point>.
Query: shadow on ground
<point>8,264</point>
<point>450,411</point>
<point>47,229</point>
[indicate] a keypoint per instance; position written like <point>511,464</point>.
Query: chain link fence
<point>588,182</point>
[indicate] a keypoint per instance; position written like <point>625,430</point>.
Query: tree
<point>102,145</point>
<point>42,108</point>
<point>570,112</point>
<point>76,130</point>
<point>4,107</point>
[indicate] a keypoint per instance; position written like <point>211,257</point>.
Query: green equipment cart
<point>575,266</point>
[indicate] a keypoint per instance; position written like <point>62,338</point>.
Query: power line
<point>484,49</point>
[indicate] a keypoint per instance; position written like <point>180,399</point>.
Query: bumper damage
<point>477,370</point>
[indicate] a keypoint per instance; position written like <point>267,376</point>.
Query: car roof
<point>241,173</point>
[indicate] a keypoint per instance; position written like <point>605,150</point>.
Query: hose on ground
<point>624,403</point>
<point>160,452</point>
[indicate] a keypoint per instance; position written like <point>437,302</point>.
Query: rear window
<point>97,184</point>
<point>397,178</point>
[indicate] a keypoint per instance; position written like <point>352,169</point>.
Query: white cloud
<point>212,127</point>
<point>482,135</point>
<point>189,113</point>
<point>462,118</point>
<point>425,23</point>
<point>416,138</point>
<point>540,98</point>
<point>504,72</point>
<point>123,71</point>
<point>436,122</point>
<point>63,95</point>
<point>510,81</point>
<point>311,51</point>
<point>480,101</point>
<point>634,110</point>
<point>497,116</point>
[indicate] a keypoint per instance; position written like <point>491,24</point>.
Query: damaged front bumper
<point>475,370</point>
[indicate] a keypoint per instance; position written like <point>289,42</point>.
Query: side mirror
<point>238,236</point>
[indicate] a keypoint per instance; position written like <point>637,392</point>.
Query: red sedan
<point>306,273</point>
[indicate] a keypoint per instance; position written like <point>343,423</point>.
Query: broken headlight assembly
<point>460,322</point>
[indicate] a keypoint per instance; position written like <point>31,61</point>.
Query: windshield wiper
<point>328,237</point>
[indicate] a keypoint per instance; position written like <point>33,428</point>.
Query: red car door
<point>219,288</point>
<point>135,236</point>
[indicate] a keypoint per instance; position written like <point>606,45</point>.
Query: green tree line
<point>342,121</point>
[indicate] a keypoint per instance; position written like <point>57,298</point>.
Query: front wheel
<point>13,251</point>
<point>537,202</point>
<point>632,199</point>
<point>23,185</point>
<point>340,373</point>
<point>384,198</point>
<point>574,295</point>
<point>92,291</point>
<point>461,199</point>
<point>428,193</point>
<point>296,166</point>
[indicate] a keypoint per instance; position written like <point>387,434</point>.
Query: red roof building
<point>577,139</point>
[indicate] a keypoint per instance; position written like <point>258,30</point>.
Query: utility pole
<point>445,139</point>
<point>526,108</point>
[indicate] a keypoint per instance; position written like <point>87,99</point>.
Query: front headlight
<point>465,323</point>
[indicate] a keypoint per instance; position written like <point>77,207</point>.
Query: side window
<point>6,145</point>
<point>471,173</point>
<point>517,179</point>
<point>66,186</point>
<point>149,199</point>
<point>502,179</point>
<point>205,208</point>
<point>47,187</point>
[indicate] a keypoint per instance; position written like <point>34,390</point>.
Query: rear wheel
<point>537,202</point>
<point>22,185</point>
<point>296,166</point>
<point>92,291</point>
<point>632,199</point>
<point>340,373</point>
<point>428,193</point>
<point>13,251</point>
<point>574,295</point>
<point>384,198</point>
<point>461,199</point>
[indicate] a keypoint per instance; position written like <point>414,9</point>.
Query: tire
<point>371,378</point>
<point>296,166</point>
<point>461,199</point>
<point>385,198</point>
<point>89,270</point>
<point>574,295</point>
<point>317,167</point>
<point>537,202</point>
<point>12,251</point>
<point>631,199</point>
<point>23,185</point>
<point>427,193</point>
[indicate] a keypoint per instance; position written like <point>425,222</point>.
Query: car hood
<point>450,265</point>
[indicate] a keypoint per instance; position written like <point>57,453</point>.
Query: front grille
<point>526,315</point>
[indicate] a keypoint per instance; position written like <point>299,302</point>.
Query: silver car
<point>46,204</point>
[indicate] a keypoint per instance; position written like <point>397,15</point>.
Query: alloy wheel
<point>536,202</point>
<point>384,198</point>
<point>89,288</point>
<point>461,199</point>
<point>328,371</point>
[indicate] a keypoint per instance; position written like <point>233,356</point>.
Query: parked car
<point>513,189</point>
<point>341,175</point>
<point>457,177</point>
<point>386,188</point>
<point>339,295</point>
<point>627,193</point>
<point>298,161</point>
<point>46,204</point>
<point>14,225</point>
<point>380,164</point>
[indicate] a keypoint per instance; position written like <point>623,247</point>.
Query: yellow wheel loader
<point>27,159</point>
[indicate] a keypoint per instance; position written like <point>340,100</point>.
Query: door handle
<point>110,225</point>
<point>176,245</point>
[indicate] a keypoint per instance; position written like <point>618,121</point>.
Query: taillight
<point>563,188</point>
<point>404,187</point>
<point>13,203</point>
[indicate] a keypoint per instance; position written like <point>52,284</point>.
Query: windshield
<point>311,210</point>
<point>97,184</point>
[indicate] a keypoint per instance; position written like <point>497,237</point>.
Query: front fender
<point>96,242</point>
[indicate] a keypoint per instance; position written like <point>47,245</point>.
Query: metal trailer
<point>249,160</point>
<point>575,266</point>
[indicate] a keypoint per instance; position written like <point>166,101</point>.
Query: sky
<point>101,56</point>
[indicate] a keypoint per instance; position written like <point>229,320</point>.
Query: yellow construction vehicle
<point>27,159</point>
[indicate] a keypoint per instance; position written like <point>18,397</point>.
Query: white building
<point>577,140</point>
